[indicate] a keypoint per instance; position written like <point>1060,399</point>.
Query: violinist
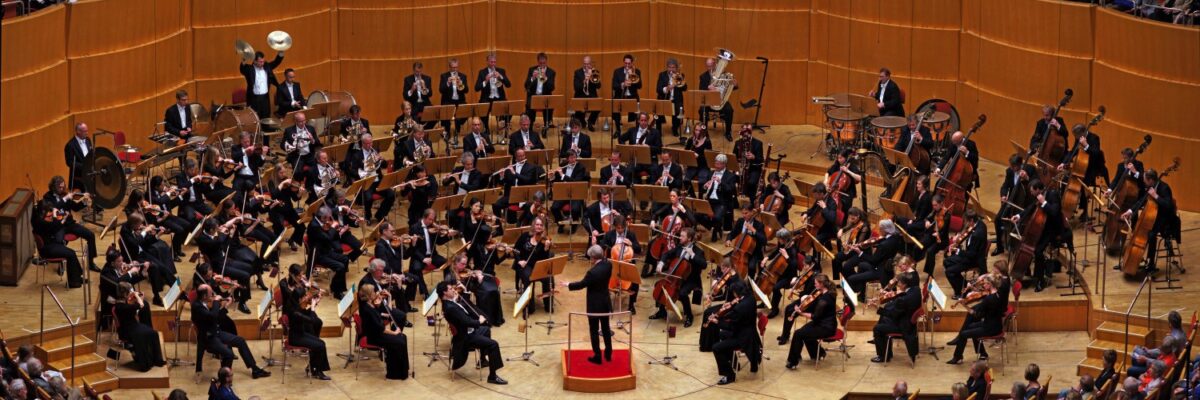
<point>751,226</point>
<point>723,277</point>
<point>598,302</point>
<point>820,308</point>
<point>519,173</point>
<point>322,179</point>
<point>873,264</point>
<point>933,231</point>
<point>1089,143</point>
<point>616,174</point>
<point>698,144</point>
<point>476,143</point>
<point>987,320</point>
<point>67,203</point>
<point>193,188</point>
<point>48,226</point>
<point>749,151</point>
<point>643,134</point>
<point>381,332</point>
<point>300,142</point>
<point>532,209</point>
<point>204,276</point>
<point>1042,129</point>
<point>737,320</point>
<point>779,197</point>
<point>1016,182</point>
<point>324,242</point>
<point>720,189</point>
<point>245,225</point>
<point>965,146</point>
<point>687,252</point>
<point>140,242</point>
<point>156,214</point>
<point>534,246</point>
<point>169,199</point>
<point>479,230</point>
<point>304,330</point>
<point>471,332</point>
<point>1055,225</point>
<point>115,272</point>
<point>966,250</point>
<point>415,149</point>
<point>576,140</point>
<point>366,162</point>
<point>855,231</point>
<point>602,213</point>
<point>896,317</point>
<point>133,319</point>
<point>571,172</point>
<point>286,192</point>
<point>288,285</point>
<point>250,159</point>
<point>392,283</point>
<point>424,254</point>
<point>790,275</point>
<point>1166,225</point>
<point>233,260</point>
<point>487,294</point>
<point>210,337</point>
<point>842,178</point>
<point>421,191</point>
<point>215,171</point>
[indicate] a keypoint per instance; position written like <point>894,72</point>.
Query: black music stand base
<point>526,355</point>
<point>667,360</point>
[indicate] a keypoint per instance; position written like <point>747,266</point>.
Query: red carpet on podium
<point>580,367</point>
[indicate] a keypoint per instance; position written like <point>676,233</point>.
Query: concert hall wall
<point>115,64</point>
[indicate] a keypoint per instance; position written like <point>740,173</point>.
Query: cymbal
<point>279,40</point>
<point>244,49</point>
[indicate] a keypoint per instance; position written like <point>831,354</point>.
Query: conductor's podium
<point>581,375</point>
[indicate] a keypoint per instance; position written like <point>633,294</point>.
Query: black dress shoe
<point>321,376</point>
<point>725,380</point>
<point>242,307</point>
<point>94,268</point>
<point>260,373</point>
<point>608,354</point>
<point>1038,287</point>
<point>687,323</point>
<point>408,324</point>
<point>782,340</point>
<point>955,361</point>
<point>729,137</point>
<point>997,251</point>
<point>157,301</point>
<point>753,368</point>
<point>496,380</point>
<point>260,284</point>
<point>595,360</point>
<point>877,360</point>
<point>561,230</point>
<point>659,315</point>
<point>790,366</point>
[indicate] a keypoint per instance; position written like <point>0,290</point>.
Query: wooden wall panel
<point>34,71</point>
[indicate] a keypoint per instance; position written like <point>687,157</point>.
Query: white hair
<point>721,158</point>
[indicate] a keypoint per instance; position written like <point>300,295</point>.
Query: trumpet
<point>539,75</point>
<point>419,85</point>
<point>455,81</point>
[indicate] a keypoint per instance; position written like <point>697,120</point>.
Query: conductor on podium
<point>598,302</point>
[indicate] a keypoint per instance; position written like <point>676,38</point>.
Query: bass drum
<point>244,119</point>
<point>324,96</point>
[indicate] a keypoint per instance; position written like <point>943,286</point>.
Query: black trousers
<point>864,272</point>
<point>597,327</point>
<point>286,213</point>
<point>809,338</point>
<point>387,199</point>
<point>843,264</point>
<point>955,266</point>
<point>220,344</point>
<point>180,228</point>
<point>481,339</point>
<point>881,331</point>
<point>339,264</point>
<point>237,270</point>
<point>547,114</point>
<point>416,269</point>
<point>84,233</point>
<point>74,270</point>
<point>318,357</point>
<point>147,352</point>
<point>751,187</point>
<point>974,331</point>
<point>576,210</point>
<point>591,118</point>
<point>723,352</point>
<point>260,103</point>
<point>524,274</point>
<point>726,114</point>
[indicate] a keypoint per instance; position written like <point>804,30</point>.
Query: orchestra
<point>626,82</point>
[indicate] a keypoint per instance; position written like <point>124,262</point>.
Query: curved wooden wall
<point>115,64</point>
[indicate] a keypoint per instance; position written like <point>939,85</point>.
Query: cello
<point>662,243</point>
<point>1031,234</point>
<point>1054,146</point>
<point>1078,163</point>
<point>959,173</point>
<point>1139,236</point>
<point>1124,195</point>
<point>769,274</point>
<point>743,246</point>
<point>621,252</point>
<point>676,270</point>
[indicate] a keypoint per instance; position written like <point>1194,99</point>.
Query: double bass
<point>1124,195</point>
<point>959,174</point>
<point>917,154</point>
<point>675,271</point>
<point>1078,161</point>
<point>1139,236</point>
<point>1054,146</point>
<point>1031,234</point>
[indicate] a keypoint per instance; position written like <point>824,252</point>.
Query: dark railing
<point>42,324</point>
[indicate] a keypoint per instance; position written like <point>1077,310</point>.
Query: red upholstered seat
<point>362,343</point>
<point>70,237</point>
<point>376,197</point>
<point>956,223</point>
<point>346,249</point>
<point>837,336</point>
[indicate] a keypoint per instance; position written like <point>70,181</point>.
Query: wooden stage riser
<point>1042,316</point>
<point>85,328</point>
<point>247,328</point>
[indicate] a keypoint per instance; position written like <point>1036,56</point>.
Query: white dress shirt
<point>260,81</point>
<point>183,119</point>
<point>83,146</point>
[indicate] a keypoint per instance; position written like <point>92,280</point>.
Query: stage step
<point>1091,366</point>
<point>1096,349</point>
<point>155,378</point>
<point>58,349</point>
<point>1115,332</point>
<point>85,364</point>
<point>102,381</point>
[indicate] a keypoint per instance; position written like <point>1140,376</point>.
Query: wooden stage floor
<point>1057,352</point>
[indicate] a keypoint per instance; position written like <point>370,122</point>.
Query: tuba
<point>722,79</point>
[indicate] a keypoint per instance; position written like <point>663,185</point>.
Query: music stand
<point>731,160</point>
<point>510,235</point>
<point>568,191</point>
<point>624,272</point>
<point>712,253</point>
<point>427,306</point>
<point>548,268</point>
<point>171,301</point>
<point>357,187</point>
<point>899,159</point>
<point>621,108</point>
<point>383,143</point>
<point>440,165</point>
<point>698,206</point>
<point>547,102</point>
<point>631,153</point>
<point>769,221</point>
<point>652,193</point>
<point>391,179</point>
<point>685,158</point>
<point>585,105</point>
<point>471,110</point>
<point>506,108</point>
<point>618,192</point>
<point>589,164</point>
<point>489,165</point>
<point>337,152</point>
<point>668,359</point>
<point>523,302</point>
<point>541,157</point>
<point>309,211</point>
<point>287,232</point>
<point>446,203</point>
<point>486,196</point>
<point>804,189</point>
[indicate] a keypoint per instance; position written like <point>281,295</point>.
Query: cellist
<point>1087,142</point>
<point>911,137</point>
<point>842,178</point>
<point>620,234</point>
<point>754,228</point>
<point>968,149</point>
<point>687,252</point>
<point>780,198</point>
<point>1166,223</point>
<point>1129,165</point>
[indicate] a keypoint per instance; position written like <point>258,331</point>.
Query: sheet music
<point>849,292</point>
<point>347,300</point>
<point>263,305</point>
<point>429,303</point>
<point>938,295</point>
<point>523,301</point>
<point>172,295</point>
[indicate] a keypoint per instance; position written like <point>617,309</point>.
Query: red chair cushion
<point>514,208</point>
<point>376,197</point>
<point>362,344</point>
<point>238,96</point>
<point>956,223</point>
<point>346,249</point>
<point>837,336</point>
<point>70,237</point>
<point>567,208</point>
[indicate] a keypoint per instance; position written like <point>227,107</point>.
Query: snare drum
<point>886,130</point>
<point>244,119</point>
<point>845,124</point>
<point>324,96</point>
<point>939,126</point>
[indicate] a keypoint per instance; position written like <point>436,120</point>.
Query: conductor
<point>596,282</point>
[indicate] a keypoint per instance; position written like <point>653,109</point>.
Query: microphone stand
<point>757,103</point>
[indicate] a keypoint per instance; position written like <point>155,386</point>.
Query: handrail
<point>42,324</point>
<point>1128,311</point>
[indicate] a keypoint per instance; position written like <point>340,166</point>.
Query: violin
<point>722,312</point>
<point>800,281</point>
<point>717,286</point>
<point>812,297</point>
